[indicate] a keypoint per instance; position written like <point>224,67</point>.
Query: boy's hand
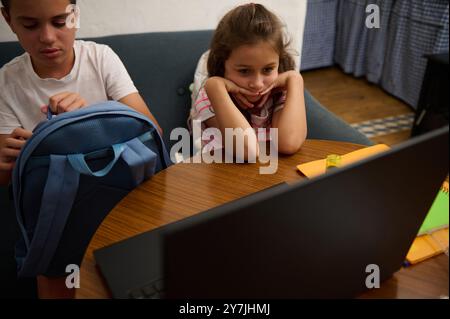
<point>66,102</point>
<point>11,146</point>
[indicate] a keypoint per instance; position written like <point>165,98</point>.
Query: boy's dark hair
<point>6,3</point>
<point>247,24</point>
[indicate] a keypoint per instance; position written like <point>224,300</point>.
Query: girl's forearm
<point>229,116</point>
<point>291,119</point>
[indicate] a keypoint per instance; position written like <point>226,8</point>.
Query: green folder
<point>437,217</point>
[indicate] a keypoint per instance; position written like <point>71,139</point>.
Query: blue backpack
<point>73,170</point>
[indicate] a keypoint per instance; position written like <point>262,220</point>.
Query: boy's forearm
<point>5,178</point>
<point>54,288</point>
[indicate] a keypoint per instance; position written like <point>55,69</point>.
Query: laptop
<point>313,239</point>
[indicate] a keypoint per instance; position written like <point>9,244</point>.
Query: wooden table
<point>187,189</point>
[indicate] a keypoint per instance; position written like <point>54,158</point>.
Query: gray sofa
<point>162,66</point>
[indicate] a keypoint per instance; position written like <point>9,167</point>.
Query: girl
<point>252,82</point>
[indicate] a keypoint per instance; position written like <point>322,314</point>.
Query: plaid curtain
<point>392,56</point>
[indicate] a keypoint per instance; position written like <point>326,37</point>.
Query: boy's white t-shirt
<point>98,75</point>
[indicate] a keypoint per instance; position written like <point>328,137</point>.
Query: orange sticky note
<point>316,168</point>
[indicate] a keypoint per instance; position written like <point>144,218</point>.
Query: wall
<point>107,17</point>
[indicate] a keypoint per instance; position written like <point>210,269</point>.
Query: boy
<point>55,71</point>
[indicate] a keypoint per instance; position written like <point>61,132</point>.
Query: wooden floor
<point>355,100</point>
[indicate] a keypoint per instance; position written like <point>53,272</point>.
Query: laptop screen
<point>314,239</point>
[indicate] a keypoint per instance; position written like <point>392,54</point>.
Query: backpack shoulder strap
<point>59,194</point>
<point>57,200</point>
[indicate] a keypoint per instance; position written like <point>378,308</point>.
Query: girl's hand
<point>11,147</point>
<point>254,107</point>
<point>238,92</point>
<point>280,83</point>
<point>65,102</point>
<point>282,80</point>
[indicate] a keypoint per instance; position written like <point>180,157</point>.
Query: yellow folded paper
<point>427,246</point>
<point>316,168</point>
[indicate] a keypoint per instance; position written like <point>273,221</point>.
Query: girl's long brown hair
<point>245,25</point>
